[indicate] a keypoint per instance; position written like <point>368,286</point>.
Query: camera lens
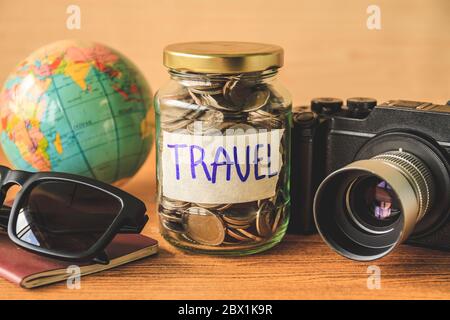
<point>372,203</point>
<point>364,210</point>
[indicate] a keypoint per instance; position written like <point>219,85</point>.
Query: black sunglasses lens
<point>65,216</point>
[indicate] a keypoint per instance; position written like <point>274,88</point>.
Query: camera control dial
<point>326,105</point>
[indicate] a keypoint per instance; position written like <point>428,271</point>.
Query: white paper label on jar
<point>233,168</point>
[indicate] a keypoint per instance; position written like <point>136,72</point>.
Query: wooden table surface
<point>301,267</point>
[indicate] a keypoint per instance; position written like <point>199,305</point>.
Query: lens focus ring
<point>417,174</point>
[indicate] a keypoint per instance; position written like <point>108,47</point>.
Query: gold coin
<point>250,235</point>
<point>237,226</point>
<point>203,226</point>
<point>237,235</point>
<point>277,220</point>
<point>264,219</point>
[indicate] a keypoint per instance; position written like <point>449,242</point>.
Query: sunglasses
<point>66,216</point>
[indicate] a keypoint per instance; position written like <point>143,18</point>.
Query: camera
<point>370,176</point>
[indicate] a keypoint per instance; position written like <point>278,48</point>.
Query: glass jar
<point>223,148</point>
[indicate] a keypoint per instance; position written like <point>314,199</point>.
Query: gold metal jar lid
<point>222,57</point>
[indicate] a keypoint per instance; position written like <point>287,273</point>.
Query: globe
<point>77,107</point>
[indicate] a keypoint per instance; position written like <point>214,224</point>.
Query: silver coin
<point>214,116</point>
<point>212,102</point>
<point>224,126</point>
<point>237,91</point>
<point>234,117</point>
<point>213,206</point>
<point>170,127</point>
<point>198,98</point>
<point>206,90</point>
<point>171,215</point>
<point>171,204</point>
<point>265,119</point>
<point>200,128</point>
<point>256,100</point>
<point>199,84</point>
<point>241,126</point>
<point>180,120</point>
<point>204,227</point>
<point>188,83</point>
<point>261,114</point>
<point>176,114</point>
<point>206,123</point>
<point>239,217</point>
<point>208,100</point>
<point>276,98</point>
<point>173,226</point>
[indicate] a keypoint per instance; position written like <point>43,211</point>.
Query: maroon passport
<point>30,270</point>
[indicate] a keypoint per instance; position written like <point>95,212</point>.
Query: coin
<point>180,120</point>
<point>213,101</point>
<point>237,235</point>
<point>256,100</point>
<point>171,204</point>
<point>173,226</point>
<point>213,206</point>
<point>209,121</point>
<point>239,217</point>
<point>204,227</point>
<point>170,127</point>
<point>214,116</point>
<point>197,98</point>
<point>241,126</point>
<point>173,235</point>
<point>221,104</point>
<point>277,219</point>
<point>237,91</point>
<point>265,118</point>
<point>197,82</point>
<point>264,220</point>
<point>250,235</point>
<point>176,114</point>
<point>237,226</point>
<point>170,215</point>
<point>200,127</point>
<point>276,97</point>
<point>207,90</point>
<point>224,126</point>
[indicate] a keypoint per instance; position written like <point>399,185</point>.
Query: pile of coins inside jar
<point>226,224</point>
<point>234,102</point>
